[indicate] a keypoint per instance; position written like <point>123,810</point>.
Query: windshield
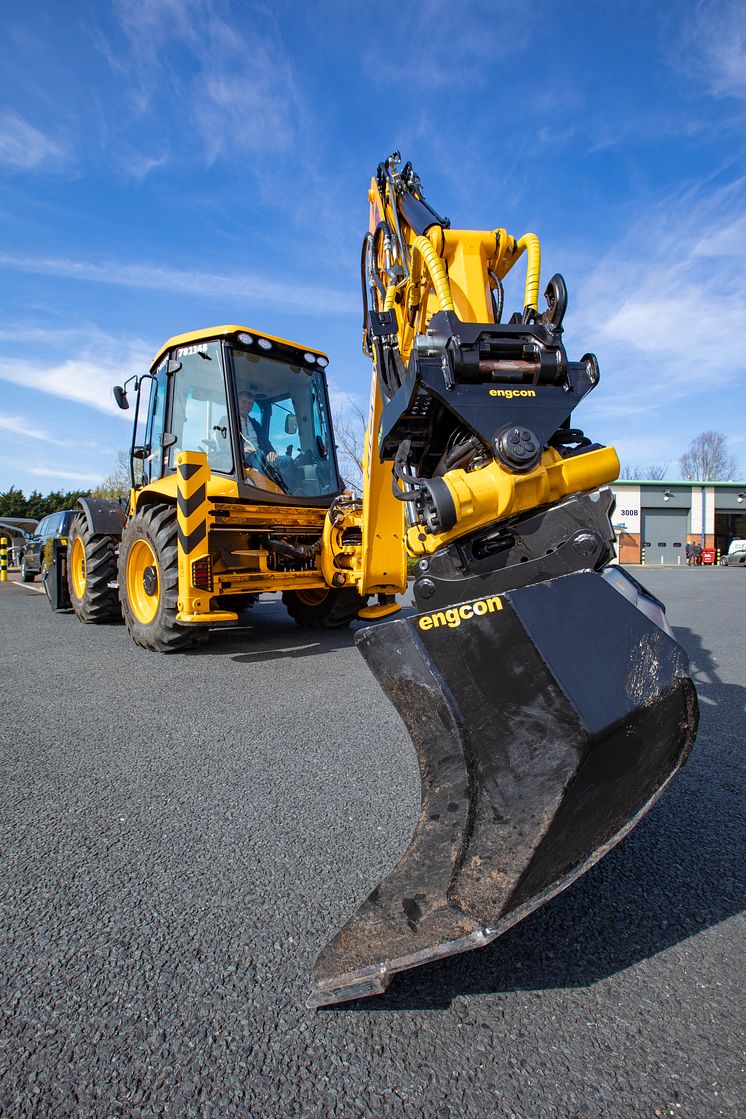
<point>284,426</point>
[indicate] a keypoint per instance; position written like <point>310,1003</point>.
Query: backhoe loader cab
<point>256,406</point>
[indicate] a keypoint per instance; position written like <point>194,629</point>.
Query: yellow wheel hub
<point>312,596</point>
<point>143,582</point>
<point>77,568</point>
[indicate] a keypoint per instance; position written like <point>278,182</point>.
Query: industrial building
<point>661,517</point>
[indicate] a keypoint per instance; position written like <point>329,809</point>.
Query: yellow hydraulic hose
<point>422,250</point>
<point>389,301</point>
<point>529,242</point>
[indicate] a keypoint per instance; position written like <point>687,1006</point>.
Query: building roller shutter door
<point>665,535</point>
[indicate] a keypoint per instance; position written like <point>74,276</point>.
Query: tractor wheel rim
<point>312,596</point>
<point>77,567</point>
<point>143,582</point>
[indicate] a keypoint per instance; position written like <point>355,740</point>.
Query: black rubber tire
<point>156,524</point>
<point>336,610</point>
<point>26,575</point>
<point>99,603</point>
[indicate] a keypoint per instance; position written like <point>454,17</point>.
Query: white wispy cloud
<point>59,474</point>
<point>26,148</point>
<point>710,47</point>
<point>247,102</point>
<point>26,429</point>
<point>257,289</point>
<point>662,304</point>
<point>85,379</point>
<point>446,38</point>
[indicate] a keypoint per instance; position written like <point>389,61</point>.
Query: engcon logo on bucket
<point>455,615</point>
<point>510,393</point>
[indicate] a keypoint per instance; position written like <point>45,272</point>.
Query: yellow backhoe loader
<point>546,697</point>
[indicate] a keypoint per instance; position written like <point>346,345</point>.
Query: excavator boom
<point>546,697</point>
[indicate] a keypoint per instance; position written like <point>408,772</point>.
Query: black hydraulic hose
<point>498,297</point>
<point>460,452</point>
<point>292,551</point>
<point>366,276</point>
<point>394,209</point>
<point>398,474</point>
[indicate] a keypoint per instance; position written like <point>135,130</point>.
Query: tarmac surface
<point>180,835</point>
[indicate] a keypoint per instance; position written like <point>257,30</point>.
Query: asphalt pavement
<point>180,835</point>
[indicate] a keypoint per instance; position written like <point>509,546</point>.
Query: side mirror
<point>168,439</point>
<point>120,395</point>
<point>140,452</point>
<point>291,425</point>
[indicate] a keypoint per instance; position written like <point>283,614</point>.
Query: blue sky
<point>172,164</point>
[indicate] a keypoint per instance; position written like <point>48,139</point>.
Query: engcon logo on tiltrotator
<point>510,393</point>
<point>455,615</point>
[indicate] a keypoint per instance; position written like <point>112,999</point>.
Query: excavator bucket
<point>546,719</point>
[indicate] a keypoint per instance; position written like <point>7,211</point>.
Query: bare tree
<point>653,472</point>
<point>708,459</point>
<point>117,484</point>
<point>349,430</point>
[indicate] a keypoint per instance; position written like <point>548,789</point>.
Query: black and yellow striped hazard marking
<point>192,474</point>
<point>192,510</point>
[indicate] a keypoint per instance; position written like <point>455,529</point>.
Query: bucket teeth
<point>546,721</point>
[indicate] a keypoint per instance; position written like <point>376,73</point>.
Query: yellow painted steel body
<point>491,494</point>
<point>78,567</point>
<point>192,337</point>
<point>450,270</point>
<point>383,560</point>
<point>192,519</point>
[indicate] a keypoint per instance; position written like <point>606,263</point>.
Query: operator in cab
<point>259,454</point>
<point>256,446</point>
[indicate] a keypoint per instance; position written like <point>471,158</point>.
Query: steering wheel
<point>267,468</point>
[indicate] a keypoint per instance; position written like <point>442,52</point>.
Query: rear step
<point>546,720</point>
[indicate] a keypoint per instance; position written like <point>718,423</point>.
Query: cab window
<point>199,413</point>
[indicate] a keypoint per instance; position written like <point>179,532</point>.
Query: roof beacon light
<point>264,343</point>
<point>247,339</point>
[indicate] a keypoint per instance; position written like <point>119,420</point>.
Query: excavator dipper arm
<point>546,697</point>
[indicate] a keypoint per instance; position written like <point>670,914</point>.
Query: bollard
<point>717,557</point>
<point>642,555</point>
<point>3,559</point>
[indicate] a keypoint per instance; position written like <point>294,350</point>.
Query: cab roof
<point>222,332</point>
